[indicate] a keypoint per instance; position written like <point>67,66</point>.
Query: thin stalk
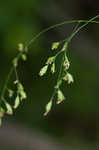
<point>61,24</point>
<point>17,78</point>
<point>81,27</point>
<point>6,82</point>
<point>7,79</point>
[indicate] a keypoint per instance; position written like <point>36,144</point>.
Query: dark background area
<point>76,121</point>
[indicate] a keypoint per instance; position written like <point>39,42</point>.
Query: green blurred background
<point>76,121</point>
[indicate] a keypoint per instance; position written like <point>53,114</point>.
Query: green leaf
<point>60,96</point>
<point>55,45</point>
<point>43,70</point>
<point>17,102</point>
<point>48,108</point>
<point>9,109</point>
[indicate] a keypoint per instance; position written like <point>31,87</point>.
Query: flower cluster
<point>64,75</point>
<point>18,93</point>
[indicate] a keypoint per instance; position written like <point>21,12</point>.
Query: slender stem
<point>6,82</point>
<point>17,78</point>
<point>62,41</point>
<point>58,53</point>
<point>85,24</point>
<point>61,24</point>
<point>8,78</point>
<point>77,25</point>
<point>60,68</point>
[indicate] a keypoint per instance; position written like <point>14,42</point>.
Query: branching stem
<point>28,44</point>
